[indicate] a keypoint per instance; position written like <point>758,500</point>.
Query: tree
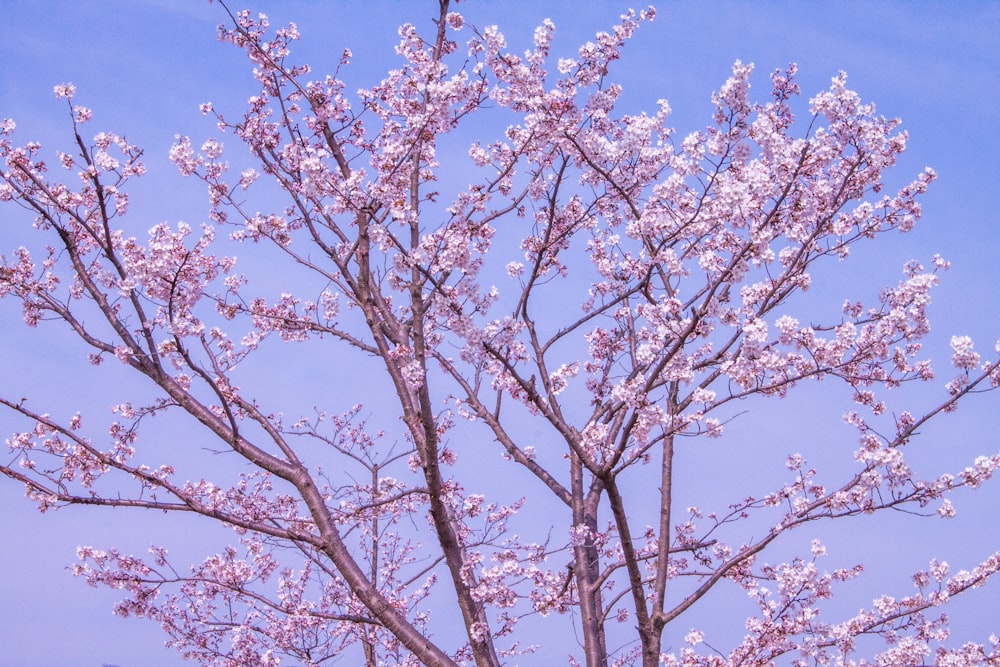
<point>650,289</point>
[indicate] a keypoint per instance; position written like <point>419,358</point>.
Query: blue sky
<point>145,65</point>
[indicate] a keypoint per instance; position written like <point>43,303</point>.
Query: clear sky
<point>145,65</point>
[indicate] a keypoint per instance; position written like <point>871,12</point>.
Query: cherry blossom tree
<point>597,295</point>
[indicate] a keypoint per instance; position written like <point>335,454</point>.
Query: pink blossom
<point>82,114</point>
<point>963,355</point>
<point>64,90</point>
